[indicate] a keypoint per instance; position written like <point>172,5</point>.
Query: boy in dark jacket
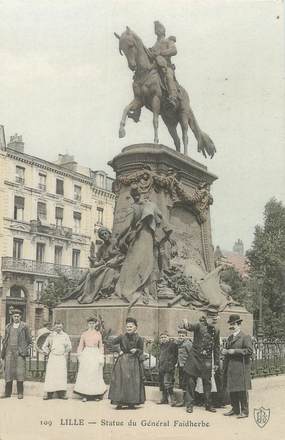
<point>184,347</point>
<point>167,360</point>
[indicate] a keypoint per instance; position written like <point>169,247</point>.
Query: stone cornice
<point>161,157</point>
<point>49,166</point>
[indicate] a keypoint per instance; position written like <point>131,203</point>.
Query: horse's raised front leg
<point>155,110</point>
<point>134,105</point>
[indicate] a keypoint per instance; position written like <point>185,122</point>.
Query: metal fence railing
<point>268,359</point>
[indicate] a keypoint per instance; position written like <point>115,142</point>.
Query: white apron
<point>90,380</point>
<point>56,373</point>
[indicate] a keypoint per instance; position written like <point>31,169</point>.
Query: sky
<point>64,86</point>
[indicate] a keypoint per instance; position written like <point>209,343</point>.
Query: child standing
<point>166,367</point>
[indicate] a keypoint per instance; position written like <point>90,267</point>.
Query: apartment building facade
<point>49,215</point>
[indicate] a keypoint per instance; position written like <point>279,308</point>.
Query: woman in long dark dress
<point>127,388</point>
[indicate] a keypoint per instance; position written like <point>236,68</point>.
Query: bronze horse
<point>150,92</point>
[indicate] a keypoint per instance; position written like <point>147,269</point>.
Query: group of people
<point>197,360</point>
<point>201,361</point>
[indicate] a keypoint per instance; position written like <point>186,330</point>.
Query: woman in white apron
<point>90,383</point>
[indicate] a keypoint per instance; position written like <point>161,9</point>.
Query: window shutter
<point>42,209</point>
<point>59,212</point>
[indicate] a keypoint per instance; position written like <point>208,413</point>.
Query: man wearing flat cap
<point>15,349</point>
<point>237,366</point>
<point>203,358</point>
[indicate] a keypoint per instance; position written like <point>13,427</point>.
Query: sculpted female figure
<point>101,278</point>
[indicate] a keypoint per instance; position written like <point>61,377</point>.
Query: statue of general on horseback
<point>156,88</point>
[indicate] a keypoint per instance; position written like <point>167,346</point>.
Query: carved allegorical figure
<point>100,280</point>
<point>140,270</point>
<point>156,88</point>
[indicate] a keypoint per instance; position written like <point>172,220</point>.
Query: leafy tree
<point>238,285</point>
<point>57,289</point>
<point>267,259</point>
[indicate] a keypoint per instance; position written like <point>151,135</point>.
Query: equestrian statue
<point>156,88</point>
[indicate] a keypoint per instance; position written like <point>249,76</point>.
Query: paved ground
<point>35,419</point>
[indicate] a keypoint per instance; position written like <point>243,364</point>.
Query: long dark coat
<point>15,360</point>
<point>24,340</point>
<point>206,344</point>
<point>127,377</point>
<point>237,366</point>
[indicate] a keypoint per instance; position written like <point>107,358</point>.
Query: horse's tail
<point>205,144</point>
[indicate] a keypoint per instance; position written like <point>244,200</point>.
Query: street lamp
<point>260,332</point>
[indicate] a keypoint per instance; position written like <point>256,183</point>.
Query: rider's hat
<point>159,27</point>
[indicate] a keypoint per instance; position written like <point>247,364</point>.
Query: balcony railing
<point>21,265</point>
<point>58,231</point>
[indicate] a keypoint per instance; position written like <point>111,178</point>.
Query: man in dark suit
<point>237,366</point>
<point>205,350</point>
<point>15,349</point>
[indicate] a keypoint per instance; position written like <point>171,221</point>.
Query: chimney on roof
<point>67,161</point>
<point>16,143</point>
<point>2,138</point>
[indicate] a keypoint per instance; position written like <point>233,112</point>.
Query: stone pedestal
<point>152,318</point>
<point>191,232</point>
<point>178,189</point>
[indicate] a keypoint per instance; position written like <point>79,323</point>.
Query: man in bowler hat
<point>237,366</point>
<point>15,349</point>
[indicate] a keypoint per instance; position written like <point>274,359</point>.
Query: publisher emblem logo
<point>261,416</point>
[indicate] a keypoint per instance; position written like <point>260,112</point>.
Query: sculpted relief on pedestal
<point>141,261</point>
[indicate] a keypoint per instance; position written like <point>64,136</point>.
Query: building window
<point>42,182</point>
<point>58,216</point>
<point>77,221</point>
<point>77,193</point>
<point>42,211</point>
<point>17,248</point>
<point>100,212</point>
<point>19,203</point>
<point>59,187</point>
<point>57,254</point>
<point>75,258</point>
<point>20,175</point>
<point>39,289</point>
<point>101,180</point>
<point>40,257</point>
<point>17,292</point>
